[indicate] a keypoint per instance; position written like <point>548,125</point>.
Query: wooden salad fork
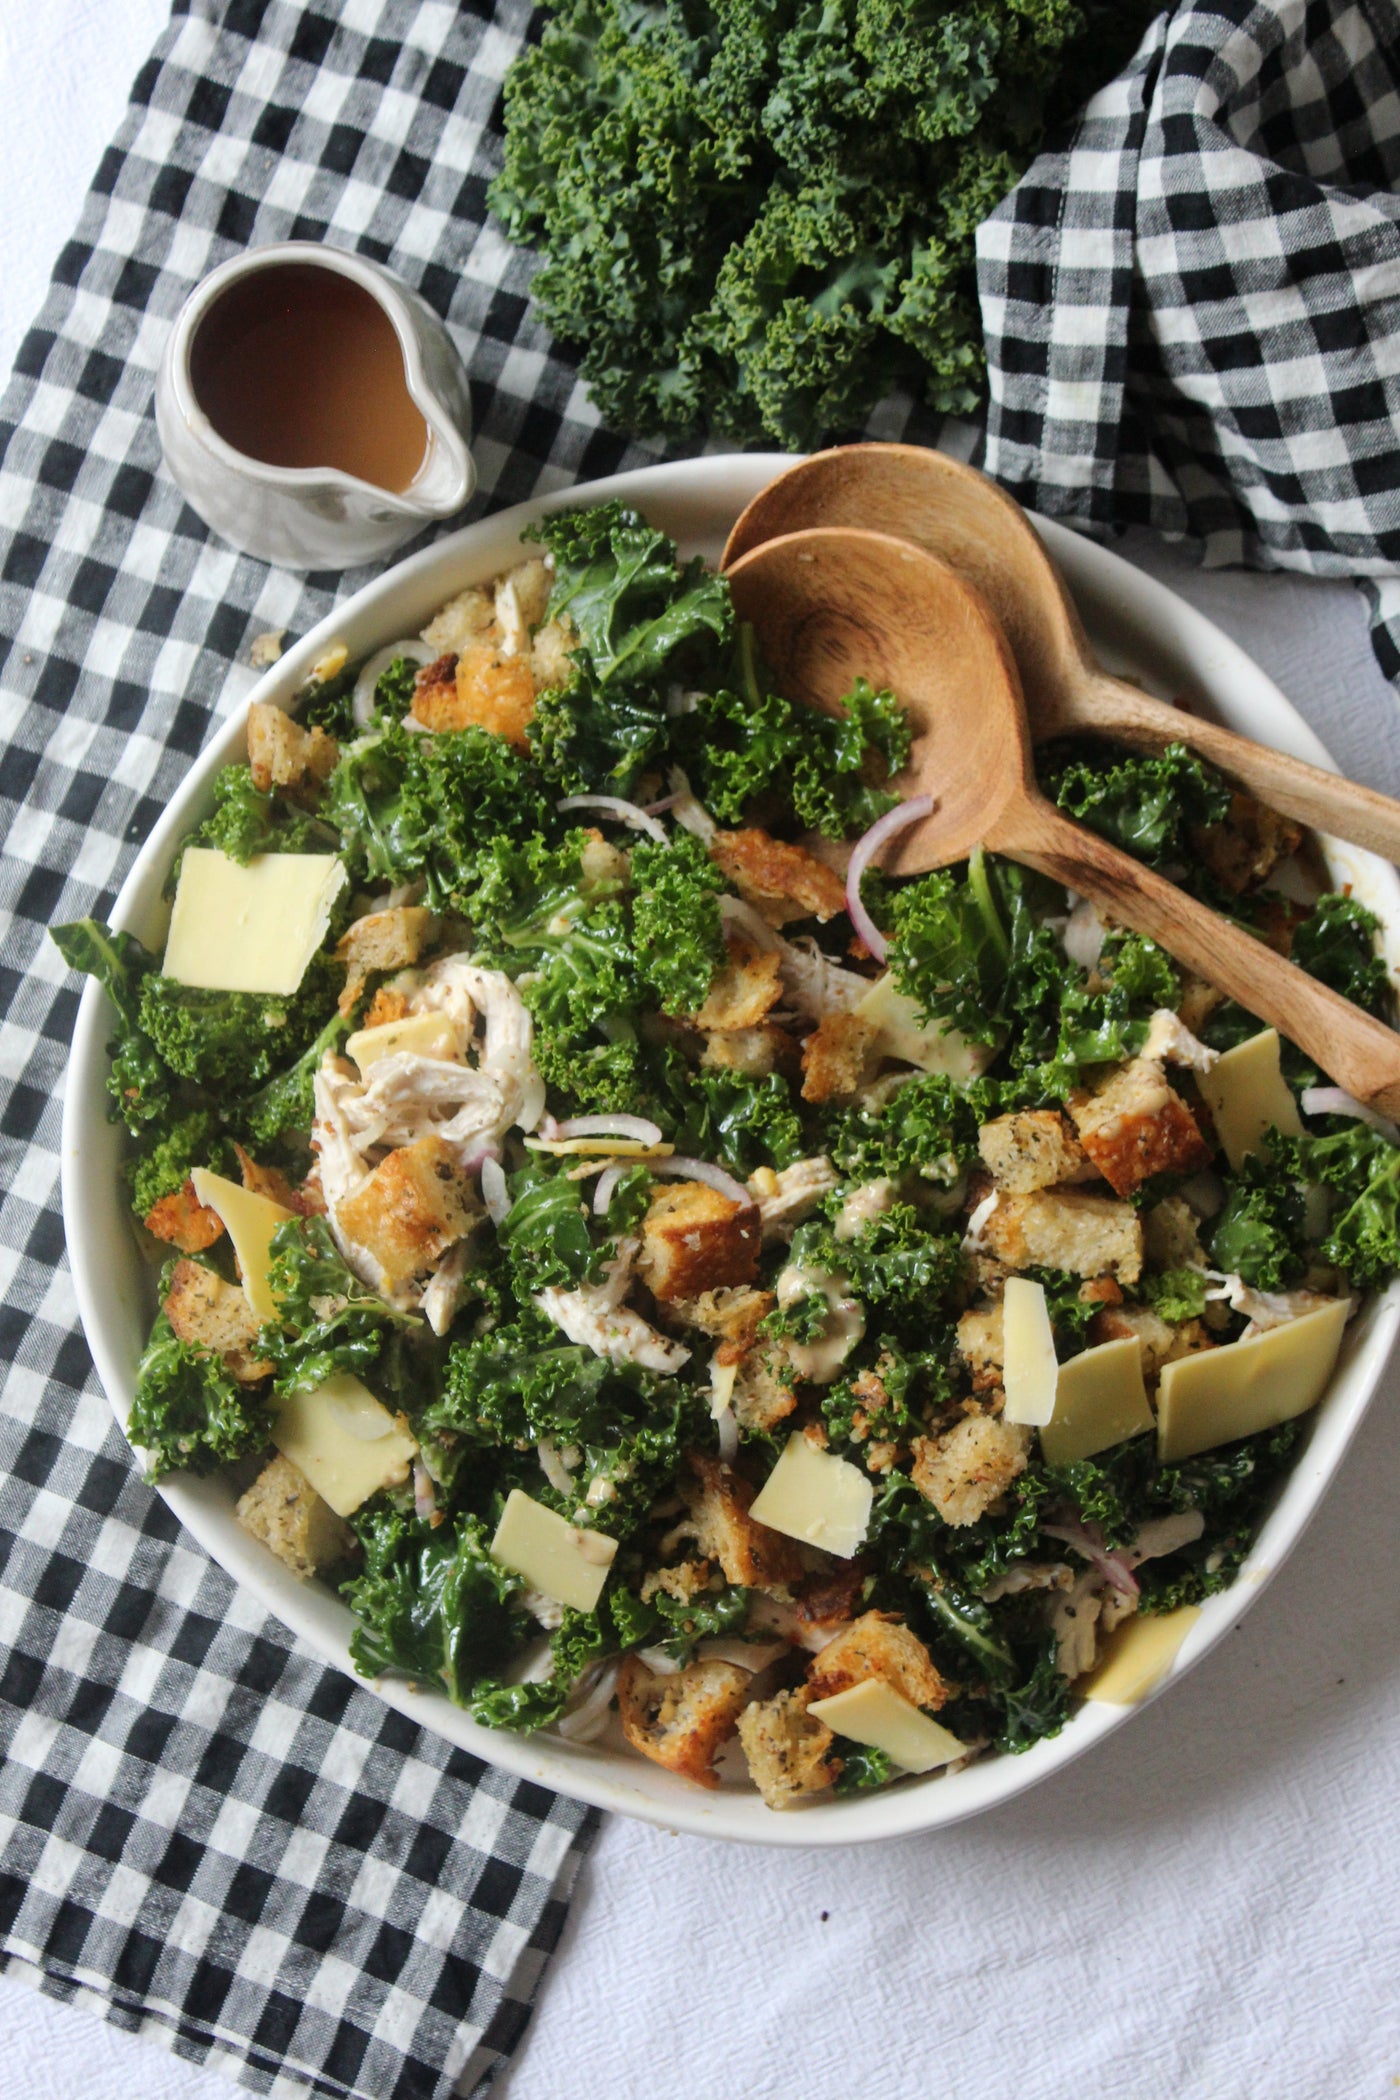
<point>956,513</point>
<point>832,604</point>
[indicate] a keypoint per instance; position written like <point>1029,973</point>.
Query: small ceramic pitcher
<point>318,517</point>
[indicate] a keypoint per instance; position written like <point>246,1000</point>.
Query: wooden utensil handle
<point>1324,801</point>
<point>1359,1053</point>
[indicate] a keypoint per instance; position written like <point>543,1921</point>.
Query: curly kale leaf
<point>139,1082</point>
<point>328,1321</point>
<point>196,1139</point>
<point>228,1042</point>
<point>1336,943</point>
<point>246,821</point>
<point>827,770</point>
<point>1145,803</point>
<point>928,1128</point>
<point>1035,1708</point>
<point>676,921</point>
<point>429,1601</point>
<point>547,1233</point>
<point>188,1410</point>
<point>862,1767</point>
<point>1176,1295</point>
<point>1364,1240</point>
<point>286,1103</point>
<point>1258,1231</point>
<point>718,1115</point>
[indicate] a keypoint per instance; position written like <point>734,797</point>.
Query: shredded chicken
<point>784,1199</point>
<point>596,1318</point>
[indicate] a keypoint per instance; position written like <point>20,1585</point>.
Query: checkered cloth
<point>204,1833</point>
<point>1192,311</point>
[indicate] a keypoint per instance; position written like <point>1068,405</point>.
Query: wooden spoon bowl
<point>833,604</point>
<point>958,514</point>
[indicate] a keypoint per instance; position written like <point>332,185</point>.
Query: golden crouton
<point>273,1183</point>
<point>283,1510</point>
<point>982,1344</point>
<point>210,1314</point>
<point>1162,1343</point>
<point>784,882</point>
<point>390,1003</point>
<point>182,1221</point>
<point>520,599</point>
<point>1067,1229</point>
<point>689,1578</point>
<point>411,1210</point>
<point>602,864</point>
<point>694,1239</point>
<point>752,1052</point>
<point>1244,850</point>
<point>481,687</point>
<point>838,1057</point>
<point>1171,1235</point>
<point>831,1596</point>
<point>878,1644</point>
<point>382,940</point>
<point>468,617</point>
<point>788,1751</point>
<point>731,1316</point>
<point>743,990</point>
<point>283,754</point>
<point>549,655</point>
<point>718,1501</point>
<point>1136,1125</point>
<point>1198,1002</point>
<point>965,1471</point>
<point>1031,1149</point>
<point>683,1719</point>
<point>763,1390</point>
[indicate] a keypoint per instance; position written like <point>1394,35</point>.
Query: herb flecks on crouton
<point>694,1239</point>
<point>681,1720</point>
<point>211,1314</point>
<point>283,1510</point>
<point>787,1750</point>
<point>966,1471</point>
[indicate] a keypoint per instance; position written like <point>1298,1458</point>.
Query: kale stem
<point>980,883</point>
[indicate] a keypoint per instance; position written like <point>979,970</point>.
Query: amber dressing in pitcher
<point>301,367</point>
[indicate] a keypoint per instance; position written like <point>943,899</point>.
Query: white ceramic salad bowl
<point>1140,628</point>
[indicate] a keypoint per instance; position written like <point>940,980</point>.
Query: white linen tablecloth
<point>1206,1908</point>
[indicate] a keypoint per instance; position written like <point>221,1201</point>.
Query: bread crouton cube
<point>484,688</point>
<point>550,651</point>
<point>1162,1342</point>
<point>468,617</point>
<point>386,940</point>
<point>787,1750</point>
<point>390,1003</point>
<point>783,881</point>
<point>1067,1229</point>
<point>965,1471</point>
<point>1244,850</point>
<point>283,754</point>
<point>764,1392</point>
<point>743,990</point>
<point>718,1502</point>
<point>521,597</point>
<point>283,1510</point>
<point>878,1644</point>
<point>682,1720</point>
<point>1031,1149</point>
<point>731,1315</point>
<point>694,1239</point>
<point>1136,1125</point>
<point>211,1314</point>
<point>752,1052</point>
<point>182,1221</point>
<point>838,1057</point>
<point>411,1210</point>
<point>982,1344</point>
<point>1171,1234</point>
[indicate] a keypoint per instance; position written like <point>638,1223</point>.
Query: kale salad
<point>669,1276</point>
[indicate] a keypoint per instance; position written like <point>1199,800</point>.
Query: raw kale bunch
<point>757,216</point>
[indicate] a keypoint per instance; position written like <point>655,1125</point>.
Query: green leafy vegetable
<point>188,1411</point>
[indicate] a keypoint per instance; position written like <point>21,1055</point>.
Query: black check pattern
<point>205,1833</point>
<point>1192,309</point>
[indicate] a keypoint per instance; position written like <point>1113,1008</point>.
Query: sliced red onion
<point>494,1193</point>
<point>659,809</point>
<point>629,813</point>
<point>1332,1101</point>
<point>701,1170</point>
<point>553,1467</point>
<point>603,1193</point>
<point>863,852</point>
<point>362,700</point>
<point>622,1126</point>
<point>587,1720</point>
<point>424,1497</point>
<point>727,1429</point>
<point>476,1159</point>
<point>1088,1541</point>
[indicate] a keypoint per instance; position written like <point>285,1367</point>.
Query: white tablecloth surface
<point>1206,1908</point>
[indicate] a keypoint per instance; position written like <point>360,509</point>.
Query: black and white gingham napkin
<point>1192,311</point>
<point>204,1833</point>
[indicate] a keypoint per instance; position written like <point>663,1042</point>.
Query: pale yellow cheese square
<point>813,1496</point>
<point>416,1035</point>
<point>1138,1656</point>
<point>1029,1370</point>
<point>874,1713</point>
<point>1100,1400</point>
<point>1249,1096</point>
<point>552,1554</point>
<point>903,1034</point>
<point>344,1441</point>
<point>250,1220</point>
<point>253,928</point>
<point>1224,1394</point>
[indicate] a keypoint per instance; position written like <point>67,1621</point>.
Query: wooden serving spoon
<point>959,515</point>
<point>834,604</point>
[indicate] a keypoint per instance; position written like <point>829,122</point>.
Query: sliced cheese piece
<point>251,1221</point>
<point>253,928</point>
<point>902,1034</point>
<point>876,1714</point>
<point>813,1496</point>
<point>1137,1656</point>
<point>551,1553</point>
<point>1224,1394</point>
<point>344,1441</point>
<point>1030,1372</point>
<point>1249,1096</point>
<point>416,1035</point>
<point>1100,1400</point>
<point>601,1147</point>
